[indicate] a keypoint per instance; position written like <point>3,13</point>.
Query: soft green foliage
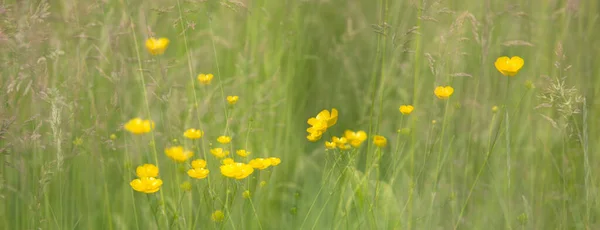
<point>73,72</point>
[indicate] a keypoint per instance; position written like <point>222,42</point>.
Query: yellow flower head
<point>224,139</point>
<point>205,79</point>
<point>139,126</point>
<point>217,216</point>
<point>443,92</point>
<point>246,194</point>
<point>147,170</point>
<point>178,154</point>
<point>275,161</point>
<point>157,46</point>
<point>379,141</point>
<point>198,173</point>
<point>406,109</point>
<point>314,136</point>
<point>260,163</point>
<point>355,138</point>
<point>228,161</point>
<point>316,126</point>
<point>146,184</point>
<point>341,142</point>
<point>330,145</point>
<point>329,118</point>
<point>232,99</point>
<point>193,134</point>
<point>219,152</point>
<point>237,170</point>
<point>509,66</point>
<point>198,164</point>
<point>242,153</point>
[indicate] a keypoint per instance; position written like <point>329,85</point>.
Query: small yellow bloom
<point>178,154</point>
<point>443,92</point>
<point>228,161</point>
<point>224,139</point>
<point>246,194</point>
<point>495,109</point>
<point>78,141</point>
<point>330,145</point>
<point>219,152</point>
<point>147,170</point>
<point>341,142</point>
<point>237,170</point>
<point>263,183</point>
<point>316,126</point>
<point>146,184</point>
<point>275,161</point>
<point>344,147</point>
<point>198,173</point>
<point>260,163</point>
<point>329,118</point>
<point>113,136</point>
<point>198,164</point>
<point>205,79</point>
<point>242,153</point>
<point>157,46</point>
<point>379,141</point>
<point>355,138</point>
<point>406,109</point>
<point>509,66</point>
<point>139,126</point>
<point>217,216</point>
<point>193,134</point>
<point>186,186</point>
<point>232,99</point>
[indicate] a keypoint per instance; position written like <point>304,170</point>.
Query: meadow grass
<point>500,153</point>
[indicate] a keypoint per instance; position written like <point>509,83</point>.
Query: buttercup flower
<point>198,173</point>
<point>237,170</point>
<point>146,184</point>
<point>509,66</point>
<point>198,164</point>
<point>217,216</point>
<point>228,161</point>
<point>193,134</point>
<point>341,142</point>
<point>147,170</point>
<point>242,153</point>
<point>224,139</point>
<point>314,136</point>
<point>330,145</point>
<point>406,109</point>
<point>355,138</point>
<point>219,152</point>
<point>330,118</point>
<point>379,141</point>
<point>139,126</point>
<point>260,163</point>
<point>205,79</point>
<point>274,161</point>
<point>157,46</point>
<point>178,154</point>
<point>232,99</point>
<point>320,123</point>
<point>443,92</point>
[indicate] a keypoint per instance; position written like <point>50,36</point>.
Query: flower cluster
<point>146,181</point>
<point>198,170</point>
<point>320,124</point>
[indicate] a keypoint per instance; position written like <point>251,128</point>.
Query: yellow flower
<point>314,137</point>
<point>316,126</point>
<point>406,109</point>
<point>178,154</point>
<point>260,163</point>
<point>113,136</point>
<point>157,46</point>
<point>232,99</point>
<point>205,79</point>
<point>443,92</point>
<point>193,134</point>
<point>198,164</point>
<point>139,126</point>
<point>330,145</point>
<point>246,194</point>
<point>379,141</point>
<point>224,139</point>
<point>242,153</point>
<point>355,138</point>
<point>509,66</point>
<point>237,170</point>
<point>217,216</point>
<point>147,170</point>
<point>198,173</point>
<point>275,161</point>
<point>228,161</point>
<point>219,152</point>
<point>146,184</point>
<point>330,118</point>
<point>341,142</point>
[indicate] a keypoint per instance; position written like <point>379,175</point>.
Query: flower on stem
<point>139,126</point>
<point>509,66</point>
<point>232,99</point>
<point>379,141</point>
<point>242,153</point>
<point>146,184</point>
<point>157,46</point>
<point>224,139</point>
<point>406,109</point>
<point>443,92</point>
<point>205,79</point>
<point>193,134</point>
<point>355,138</point>
<point>178,154</point>
<point>219,152</point>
